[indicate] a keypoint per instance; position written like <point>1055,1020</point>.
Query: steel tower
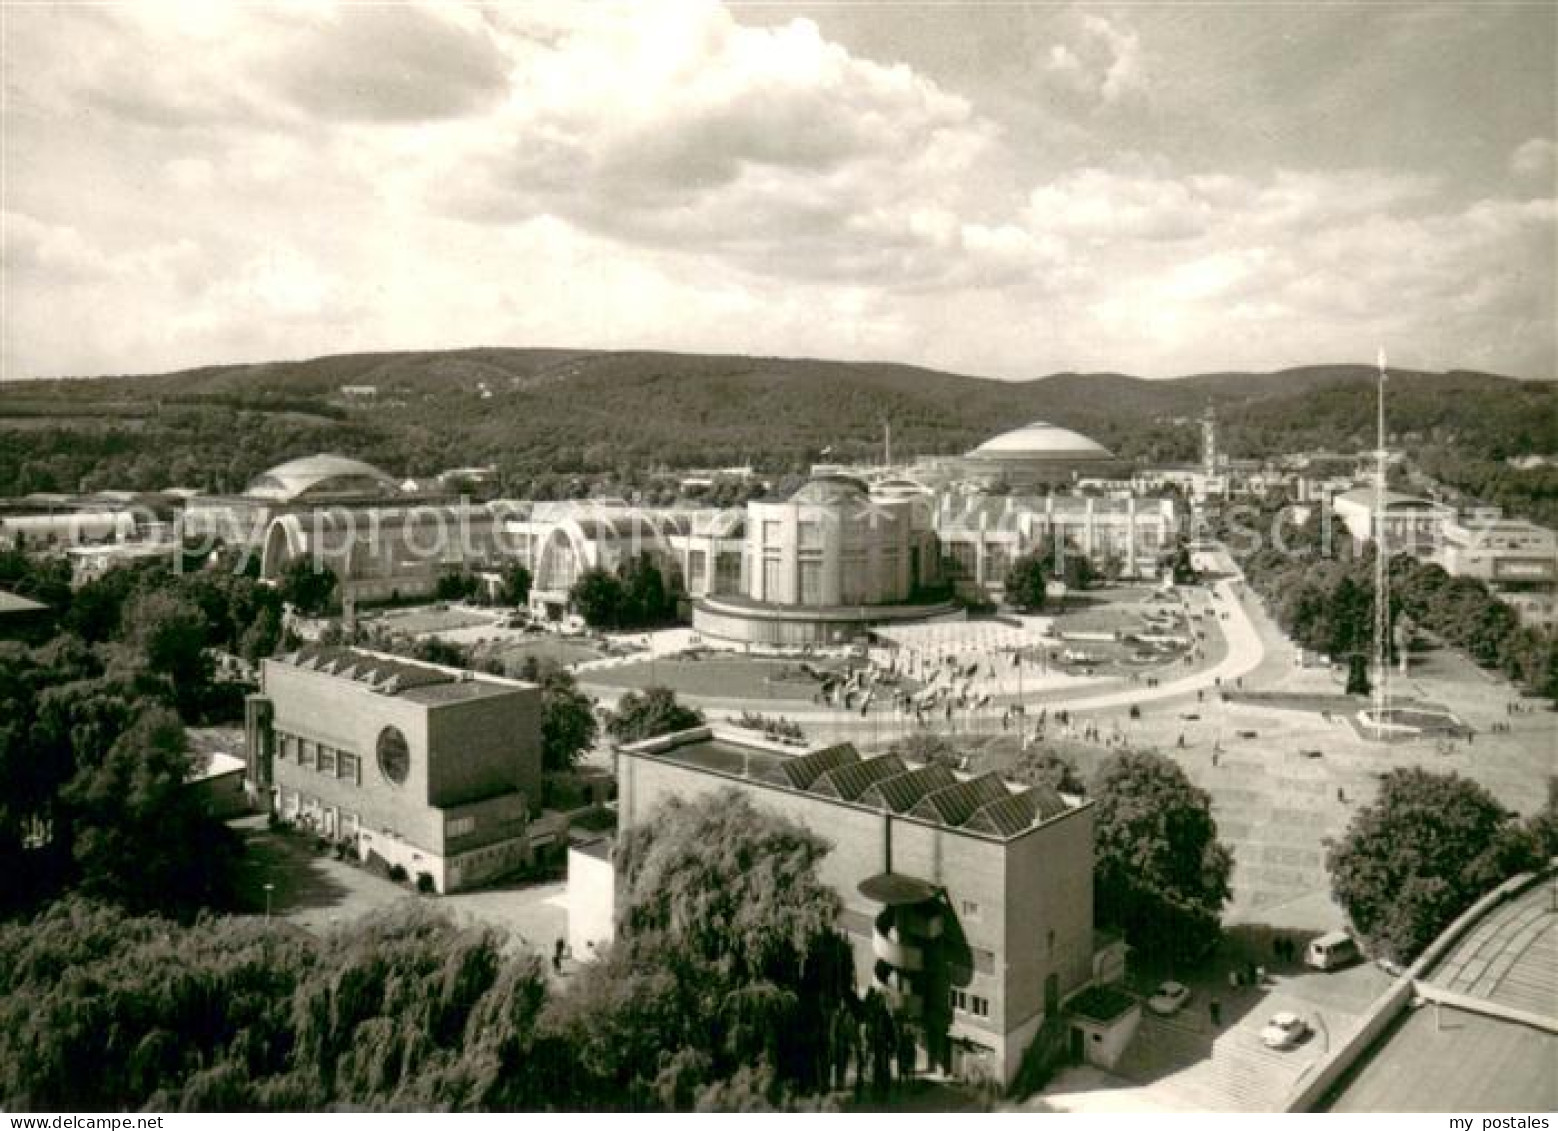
<point>1381,568</point>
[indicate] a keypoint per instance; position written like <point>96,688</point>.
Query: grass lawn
<point>429,618</point>
<point>563,652</point>
<point>714,678</point>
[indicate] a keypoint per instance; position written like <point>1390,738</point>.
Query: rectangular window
<point>461,826</point>
<point>306,753</point>
<point>811,583</point>
<point>965,1002</point>
<point>969,909</point>
<point>773,580</point>
<point>327,760</point>
<point>350,768</point>
<point>811,534</point>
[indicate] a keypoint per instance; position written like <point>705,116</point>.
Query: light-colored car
<point>1169,999</point>
<point>1283,1031</point>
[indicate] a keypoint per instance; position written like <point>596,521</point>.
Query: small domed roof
<point>1040,440</point>
<point>321,475</point>
<point>823,489</point>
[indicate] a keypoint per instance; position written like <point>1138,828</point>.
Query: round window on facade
<point>394,755</point>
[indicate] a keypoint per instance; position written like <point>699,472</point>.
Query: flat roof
<point>1464,1062</point>
<point>599,848</point>
<point>16,603</point>
<point>724,757</point>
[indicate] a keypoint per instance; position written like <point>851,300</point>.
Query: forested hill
<point>548,412</point>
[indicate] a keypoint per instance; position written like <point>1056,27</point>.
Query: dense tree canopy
<point>1322,594</point>
<point>92,766</point>
<point>568,723</point>
<point>650,713</point>
<point>1420,855</point>
<point>1160,873</point>
<point>635,596</point>
<point>1040,765</point>
<point>516,586</point>
<point>727,989</point>
<point>310,587</point>
<point>1025,581</point>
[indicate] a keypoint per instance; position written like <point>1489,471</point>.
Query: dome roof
<point>321,475</point>
<point>830,489</point>
<point>1041,441</point>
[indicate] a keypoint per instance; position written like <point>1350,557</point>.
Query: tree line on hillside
<point>562,432</point>
<point>1524,492</point>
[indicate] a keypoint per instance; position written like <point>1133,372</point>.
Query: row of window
<point>328,760</point>
<point>311,811</point>
<point>964,1002</point>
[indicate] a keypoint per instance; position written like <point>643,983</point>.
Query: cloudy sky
<point>989,188</point>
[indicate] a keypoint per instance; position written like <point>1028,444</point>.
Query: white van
<point>1330,951</point>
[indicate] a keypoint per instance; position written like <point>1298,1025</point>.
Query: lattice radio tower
<point>1381,569</point>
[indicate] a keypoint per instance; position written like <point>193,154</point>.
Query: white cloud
<point>1535,158</point>
<point>207,184</point>
<point>1103,61</point>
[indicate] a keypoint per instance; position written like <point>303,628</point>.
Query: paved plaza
<point>319,893</point>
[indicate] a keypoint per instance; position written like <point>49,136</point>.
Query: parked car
<point>1331,951</point>
<point>1169,999</point>
<point>1283,1031</point>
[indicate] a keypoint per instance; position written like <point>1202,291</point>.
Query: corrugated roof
<point>849,782</point>
<point>902,793</point>
<point>958,802</point>
<point>1006,817</point>
<point>800,772</point>
<point>389,676</point>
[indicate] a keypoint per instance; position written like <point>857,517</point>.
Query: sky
<point>996,189</point>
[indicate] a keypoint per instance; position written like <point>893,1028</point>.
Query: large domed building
<point>381,542</point>
<point>322,477</point>
<point>1039,453</point>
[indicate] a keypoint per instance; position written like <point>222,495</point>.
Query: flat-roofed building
<point>435,769</point>
<point>1411,525</point>
<point>968,901</point>
<point>1500,551</point>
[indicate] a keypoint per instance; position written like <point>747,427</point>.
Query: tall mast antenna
<point>1381,567</point>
